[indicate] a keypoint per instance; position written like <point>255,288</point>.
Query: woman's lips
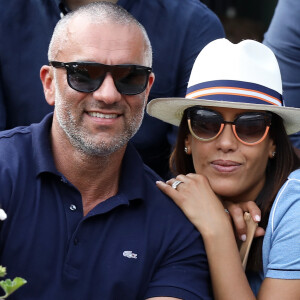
<point>225,166</point>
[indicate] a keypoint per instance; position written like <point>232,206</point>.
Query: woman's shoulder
<point>295,175</point>
<point>281,246</point>
<point>287,202</point>
<point>290,188</point>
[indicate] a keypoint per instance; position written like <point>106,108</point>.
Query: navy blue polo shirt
<point>135,245</point>
<point>178,31</point>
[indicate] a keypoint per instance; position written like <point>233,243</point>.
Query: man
<point>178,30</point>
<point>85,219</point>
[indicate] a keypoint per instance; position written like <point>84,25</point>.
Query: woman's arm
<point>200,204</point>
<point>279,289</point>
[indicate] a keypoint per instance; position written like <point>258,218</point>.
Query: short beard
<point>80,139</point>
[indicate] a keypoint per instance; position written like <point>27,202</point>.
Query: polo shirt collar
<point>42,146</point>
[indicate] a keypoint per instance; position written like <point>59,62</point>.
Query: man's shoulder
<point>157,199</point>
<point>12,138</point>
<point>150,182</point>
<point>16,130</point>
<point>16,152</point>
<point>23,141</point>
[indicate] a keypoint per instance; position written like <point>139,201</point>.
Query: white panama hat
<point>243,76</point>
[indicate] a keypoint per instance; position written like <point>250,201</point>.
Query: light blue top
<point>281,246</point>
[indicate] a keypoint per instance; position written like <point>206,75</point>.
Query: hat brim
<point>170,110</point>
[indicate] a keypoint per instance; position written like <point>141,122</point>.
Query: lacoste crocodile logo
<point>129,254</point>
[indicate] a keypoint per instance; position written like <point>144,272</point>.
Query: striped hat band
<point>234,91</point>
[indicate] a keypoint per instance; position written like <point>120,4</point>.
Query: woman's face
<point>236,171</point>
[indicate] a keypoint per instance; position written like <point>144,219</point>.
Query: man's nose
<point>107,92</point>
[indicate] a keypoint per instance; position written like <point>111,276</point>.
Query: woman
<point>233,147</point>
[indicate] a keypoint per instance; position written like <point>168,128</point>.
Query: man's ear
<point>46,75</point>
<point>150,83</point>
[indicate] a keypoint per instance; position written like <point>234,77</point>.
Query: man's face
<point>100,122</point>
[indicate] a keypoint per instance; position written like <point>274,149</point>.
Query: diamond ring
<point>175,184</point>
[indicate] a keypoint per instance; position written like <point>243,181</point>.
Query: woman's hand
<point>198,202</point>
<point>205,210</point>
<point>237,210</point>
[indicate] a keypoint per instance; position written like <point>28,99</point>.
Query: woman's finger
<point>259,232</point>
<point>167,188</point>
<point>237,215</point>
<point>253,209</point>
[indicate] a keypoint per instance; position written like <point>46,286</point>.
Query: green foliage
<point>2,271</point>
<point>10,286</point>
<point>7,285</point>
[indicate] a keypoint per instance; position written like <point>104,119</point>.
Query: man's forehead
<point>107,39</point>
<point>84,31</point>
<point>83,22</point>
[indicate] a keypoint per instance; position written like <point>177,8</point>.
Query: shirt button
<point>76,241</point>
<point>63,180</point>
<point>72,207</point>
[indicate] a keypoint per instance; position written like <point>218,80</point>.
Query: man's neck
<point>96,177</point>
<point>73,4</point>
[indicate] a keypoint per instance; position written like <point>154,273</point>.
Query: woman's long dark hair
<point>277,171</point>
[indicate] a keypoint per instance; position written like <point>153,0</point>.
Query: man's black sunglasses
<point>87,77</point>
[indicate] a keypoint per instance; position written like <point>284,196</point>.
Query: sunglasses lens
<point>251,128</point>
<point>131,80</point>
<point>205,124</point>
<point>86,78</point>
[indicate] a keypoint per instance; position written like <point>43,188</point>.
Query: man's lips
<point>225,165</point>
<point>104,118</point>
<point>103,115</point>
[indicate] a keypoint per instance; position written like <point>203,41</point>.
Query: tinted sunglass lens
<point>250,128</point>
<point>85,78</point>
<point>131,81</point>
<point>205,124</point>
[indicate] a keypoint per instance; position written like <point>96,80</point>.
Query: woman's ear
<point>47,77</point>
<point>187,145</point>
<point>272,149</point>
